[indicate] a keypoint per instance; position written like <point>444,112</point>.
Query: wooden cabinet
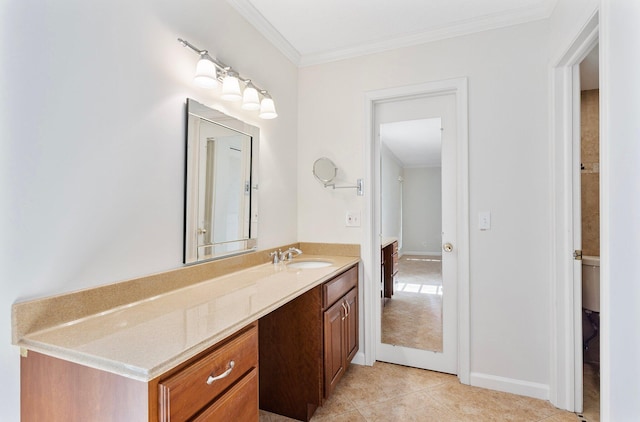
<point>340,328</point>
<point>389,268</point>
<point>306,345</point>
<point>201,386</point>
<point>55,389</point>
<point>240,403</point>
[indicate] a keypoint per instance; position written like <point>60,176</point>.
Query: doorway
<point>440,105</point>
<point>566,387</point>
<point>586,188</point>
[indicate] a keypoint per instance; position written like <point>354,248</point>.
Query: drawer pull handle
<point>225,374</point>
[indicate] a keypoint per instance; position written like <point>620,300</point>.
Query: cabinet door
<point>351,324</point>
<point>334,346</point>
<point>388,271</point>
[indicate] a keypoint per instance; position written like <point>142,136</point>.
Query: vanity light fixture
<point>210,71</point>
<point>206,75</point>
<point>231,87</point>
<point>250,97</point>
<point>267,107</point>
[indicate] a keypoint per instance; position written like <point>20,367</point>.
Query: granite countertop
<point>386,241</point>
<point>144,339</point>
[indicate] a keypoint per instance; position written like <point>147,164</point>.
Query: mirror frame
<point>196,112</point>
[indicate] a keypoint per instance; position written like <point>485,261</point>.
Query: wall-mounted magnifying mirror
<point>220,195</point>
<point>325,170</point>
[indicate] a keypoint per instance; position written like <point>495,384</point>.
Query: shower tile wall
<point>590,151</point>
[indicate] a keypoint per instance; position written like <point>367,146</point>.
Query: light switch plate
<point>484,220</point>
<point>352,219</point>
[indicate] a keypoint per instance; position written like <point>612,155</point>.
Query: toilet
<point>591,283</point>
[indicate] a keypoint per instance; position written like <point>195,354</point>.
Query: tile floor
<point>416,302</point>
<point>387,392</point>
<point>591,396</point>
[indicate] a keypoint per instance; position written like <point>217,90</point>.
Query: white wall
<point>620,208</point>
<point>422,210</point>
<point>92,136</point>
<point>391,195</point>
<point>507,71</point>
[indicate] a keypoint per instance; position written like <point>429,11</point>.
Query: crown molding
<point>460,28</point>
<point>255,18</point>
<point>485,23</point>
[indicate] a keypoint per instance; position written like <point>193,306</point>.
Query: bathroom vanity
<point>169,356</point>
<point>56,389</point>
<point>306,345</point>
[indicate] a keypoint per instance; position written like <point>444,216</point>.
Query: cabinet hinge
<point>577,255</point>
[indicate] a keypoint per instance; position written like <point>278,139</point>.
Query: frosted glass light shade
<point>205,73</point>
<point>267,109</point>
<point>250,98</point>
<point>231,88</point>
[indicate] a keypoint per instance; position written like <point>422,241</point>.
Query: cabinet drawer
<point>187,392</point>
<point>240,403</point>
<point>395,247</point>
<point>339,286</point>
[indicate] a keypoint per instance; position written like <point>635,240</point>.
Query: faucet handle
<point>276,256</point>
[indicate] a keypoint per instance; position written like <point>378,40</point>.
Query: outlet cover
<point>352,219</point>
<point>484,220</point>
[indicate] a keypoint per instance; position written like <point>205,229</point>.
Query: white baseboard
<point>358,359</point>
<point>421,253</point>
<point>510,385</point>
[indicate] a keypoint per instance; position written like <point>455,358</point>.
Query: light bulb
<point>231,88</point>
<point>205,73</point>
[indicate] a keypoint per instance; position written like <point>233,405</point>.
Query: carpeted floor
<point>413,316</point>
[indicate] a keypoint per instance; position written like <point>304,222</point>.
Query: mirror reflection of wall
<point>221,180</point>
<point>422,210</point>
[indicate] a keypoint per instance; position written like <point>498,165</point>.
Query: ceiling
<point>415,143</point>
<point>312,32</point>
<point>590,70</point>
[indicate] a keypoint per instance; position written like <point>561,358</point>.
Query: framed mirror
<point>221,213</point>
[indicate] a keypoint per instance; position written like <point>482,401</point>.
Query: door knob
<point>447,247</point>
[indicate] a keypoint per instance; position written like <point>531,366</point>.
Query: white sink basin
<point>309,264</point>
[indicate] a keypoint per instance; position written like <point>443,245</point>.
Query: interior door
<point>422,218</point>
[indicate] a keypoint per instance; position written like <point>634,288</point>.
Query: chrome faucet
<point>279,256</point>
<point>289,254</point>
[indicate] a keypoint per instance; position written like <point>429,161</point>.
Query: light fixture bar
<point>226,70</point>
<point>217,62</point>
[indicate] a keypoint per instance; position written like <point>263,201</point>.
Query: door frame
<point>565,386</point>
<point>371,221</point>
